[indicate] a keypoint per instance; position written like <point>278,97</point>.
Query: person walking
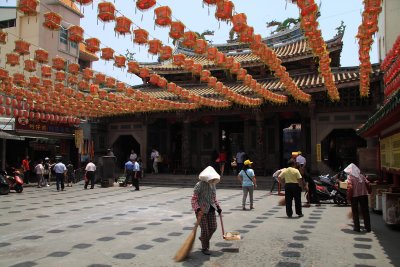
<point>128,171</point>
<point>39,169</point>
<point>46,171</point>
<point>136,175</point>
<point>310,187</point>
<point>248,180</point>
<point>222,160</point>
<point>26,168</point>
<point>70,174</point>
<point>240,159</point>
<point>357,195</point>
<point>90,174</point>
<point>293,186</point>
<point>204,203</point>
<point>61,172</point>
<point>154,156</point>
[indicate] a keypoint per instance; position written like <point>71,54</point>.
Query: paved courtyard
<point>122,227</point>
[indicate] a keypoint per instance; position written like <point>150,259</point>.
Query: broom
<point>185,249</point>
<point>282,201</point>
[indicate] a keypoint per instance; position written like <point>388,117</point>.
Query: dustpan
<point>228,235</point>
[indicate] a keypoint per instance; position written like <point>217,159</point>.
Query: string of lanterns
<point>391,67</point>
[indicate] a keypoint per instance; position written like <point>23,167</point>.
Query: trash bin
<point>107,171</point>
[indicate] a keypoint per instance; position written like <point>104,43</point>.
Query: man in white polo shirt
<point>61,173</point>
<point>90,171</point>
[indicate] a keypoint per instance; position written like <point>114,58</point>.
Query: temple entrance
<point>339,148</point>
<point>291,141</point>
<point>231,138</point>
<point>122,149</point>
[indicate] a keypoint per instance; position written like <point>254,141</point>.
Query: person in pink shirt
<point>357,195</point>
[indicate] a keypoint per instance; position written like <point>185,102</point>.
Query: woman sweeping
<point>204,203</point>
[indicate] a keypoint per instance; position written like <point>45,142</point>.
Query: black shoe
<point>92,188</point>
<point>300,215</point>
<point>356,230</point>
<point>289,216</point>
<point>206,252</point>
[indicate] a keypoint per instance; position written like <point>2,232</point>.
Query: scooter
<point>328,189</point>
<point>4,186</point>
<point>15,182</point>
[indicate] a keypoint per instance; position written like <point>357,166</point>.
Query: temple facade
<point>324,131</point>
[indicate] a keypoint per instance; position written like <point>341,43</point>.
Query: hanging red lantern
<point>246,35</point>
<point>144,73</point>
<point>121,87</point>
<point>3,37</point>
<point>224,10</point>
<point>177,30</point>
<point>154,46</point>
<point>52,21</point>
<point>107,53</point>
<point>58,63</point>
<point>219,58</point>
<point>210,2</point>
<point>60,76</point>
<point>196,69</point>
<point>119,61</point>
<point>162,82</point>
<point>163,16</point>
<point>34,81</point>
<point>22,47</point>
<point>106,11</point>
<point>154,78</point>
<point>201,46</point>
<point>256,42</point>
<point>205,75</point>
<point>75,34</point>
<point>235,67</point>
<point>41,56</point>
<point>141,36</point>
<point>92,45</point>
<point>241,74</point>
<point>12,59</point>
<point>18,79</point>
<point>84,2</point>
<point>229,62</point>
<point>178,59</point>
<point>73,68</point>
<point>47,83</point>
<point>189,39</point>
<point>30,65</point>
<point>145,4</point>
<point>72,79</point>
<point>28,7</point>
<point>188,64</point>
<point>46,71</point>
<point>133,67</point>
<point>239,21</point>
<point>166,52</point>
<point>83,85</point>
<point>212,53</point>
<point>93,89</point>
<point>171,87</point>
<point>99,78</point>
<point>87,73</point>
<point>123,25</point>
<point>110,82</point>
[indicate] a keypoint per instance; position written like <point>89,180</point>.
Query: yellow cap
<point>247,162</point>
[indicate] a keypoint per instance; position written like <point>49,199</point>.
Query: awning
<point>4,135</point>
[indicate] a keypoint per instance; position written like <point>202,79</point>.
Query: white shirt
<point>60,168</point>
<point>301,160</point>
<point>39,169</point>
<point>90,167</point>
<point>136,166</point>
<point>154,155</point>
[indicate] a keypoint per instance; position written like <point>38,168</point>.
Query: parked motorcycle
<point>328,189</point>
<point>4,186</point>
<point>14,182</point>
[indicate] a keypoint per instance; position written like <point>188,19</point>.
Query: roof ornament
<point>340,29</point>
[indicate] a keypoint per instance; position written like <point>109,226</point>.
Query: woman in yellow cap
<point>248,180</point>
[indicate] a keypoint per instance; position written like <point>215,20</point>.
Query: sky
<point>199,17</point>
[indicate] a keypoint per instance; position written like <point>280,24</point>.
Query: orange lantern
<point>94,89</point>
<point>154,46</point>
<point>229,62</point>
<point>12,59</point>
<point>219,58</point>
<point>165,52</point>
<point>188,64</point>
<point>212,81</point>
<point>107,53</point>
<point>73,68</point>
<point>46,71</point>
<point>201,46</point>
<point>141,36</point>
<point>212,53</point>
<point>176,30</point>
<point>75,34</point>
<point>58,63</point>
<point>133,67</point>
<point>145,4</point>
<point>84,2</point>
<point>144,73</point>
<point>119,61</point>
<point>196,69</point>
<point>205,75</point>
<point>92,45</point>
<point>162,82</point>
<point>34,81</point>
<point>28,7</point>
<point>121,87</point>
<point>47,82</point>
<point>22,47</point>
<point>60,76</point>
<point>224,10</point>
<point>123,25</point>
<point>163,16</point>
<point>110,82</point>
<point>52,21</point>
<point>171,87</point>
<point>72,79</point>
<point>106,11</point>
<point>30,65</point>
<point>111,96</point>
<point>239,21</point>
<point>3,37</point>
<point>87,74</point>
<point>41,56</point>
<point>102,93</point>
<point>18,79</point>
<point>210,2</point>
<point>241,74</point>
<point>235,67</point>
<point>189,39</point>
<point>178,59</point>
<point>83,85</point>
<point>154,78</point>
<point>256,42</point>
<point>246,35</point>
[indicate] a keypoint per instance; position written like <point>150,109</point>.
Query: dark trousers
<point>274,182</point>
<point>293,191</point>
<point>26,177</point>
<point>208,225</point>
<point>362,202</point>
<point>60,180</point>
<point>129,176</point>
<point>312,196</point>
<point>89,177</point>
<point>135,180</point>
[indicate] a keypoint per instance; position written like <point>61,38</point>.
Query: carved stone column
<point>186,155</point>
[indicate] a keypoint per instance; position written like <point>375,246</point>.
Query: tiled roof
<point>87,54</point>
<point>287,52</point>
<point>71,5</point>
<point>310,82</point>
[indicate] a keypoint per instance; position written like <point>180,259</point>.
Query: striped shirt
<point>204,196</point>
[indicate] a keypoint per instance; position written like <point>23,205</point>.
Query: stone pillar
<point>186,159</point>
<point>313,166</point>
<point>260,137</point>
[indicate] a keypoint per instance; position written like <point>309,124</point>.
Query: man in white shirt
<point>136,174</point>
<point>39,169</point>
<point>155,158</point>
<point>61,172</point>
<point>300,160</point>
<point>89,174</point>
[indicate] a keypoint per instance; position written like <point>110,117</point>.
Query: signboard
<point>43,127</point>
<point>318,147</point>
<point>390,152</point>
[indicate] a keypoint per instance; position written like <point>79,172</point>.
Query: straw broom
<point>185,249</point>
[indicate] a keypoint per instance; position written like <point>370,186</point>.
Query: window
<point>63,35</point>
<point>7,23</point>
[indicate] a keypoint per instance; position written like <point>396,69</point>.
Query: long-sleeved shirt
<point>204,196</point>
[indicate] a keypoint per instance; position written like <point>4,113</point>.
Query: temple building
<point>324,131</point>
